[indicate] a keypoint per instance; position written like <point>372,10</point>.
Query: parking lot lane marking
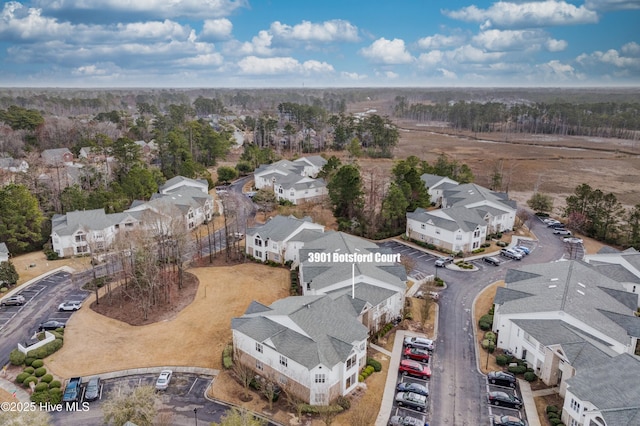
<point>192,385</point>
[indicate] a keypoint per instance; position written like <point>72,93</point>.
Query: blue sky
<point>321,43</point>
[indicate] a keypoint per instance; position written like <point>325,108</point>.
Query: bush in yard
<point>37,363</point>
<point>369,369</point>
<point>28,360</point>
<point>530,376</point>
<point>55,395</point>
<point>343,402</point>
<point>555,421</point>
<point>552,415</point>
<point>29,370</point>
<point>55,384</point>
<point>46,350</point>
<point>375,364</point>
<point>489,345</point>
<point>41,387</point>
<point>361,378</point>
<point>40,397</point>
<point>22,377</point>
<point>517,369</point>
<point>490,335</point>
<point>30,379</point>
<point>485,322</point>
<point>47,378</point>
<point>502,359</point>
<point>40,372</point>
<point>16,357</point>
<point>552,409</point>
<point>227,357</point>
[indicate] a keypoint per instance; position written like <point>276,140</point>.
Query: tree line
<point>595,119</point>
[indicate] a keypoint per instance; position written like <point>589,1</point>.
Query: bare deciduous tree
<point>138,405</point>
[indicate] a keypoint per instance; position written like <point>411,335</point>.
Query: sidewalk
<point>15,389</point>
<point>529,403</point>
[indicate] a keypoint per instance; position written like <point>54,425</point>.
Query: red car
<point>414,368</point>
<point>416,354</point>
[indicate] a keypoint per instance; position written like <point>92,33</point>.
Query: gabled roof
<point>313,160</point>
<point>612,387</point>
<point>504,294</point>
<point>450,219</point>
<point>616,272</point>
<point>310,330</point>
<point>573,287</point>
<point>278,228</point>
<point>470,193</point>
<point>183,181</point>
<point>435,181</point>
<point>53,155</point>
<point>322,275</point>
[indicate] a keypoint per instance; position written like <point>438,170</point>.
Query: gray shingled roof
<point>316,160</point>
<point>306,235</point>
<point>322,275</point>
<point>431,180</point>
<point>469,193</point>
<point>616,272</point>
<point>365,292</point>
<point>278,227</point>
<point>179,179</point>
<point>504,294</point>
<point>612,387</point>
<point>455,218</point>
<point>570,286</point>
<point>318,330</point>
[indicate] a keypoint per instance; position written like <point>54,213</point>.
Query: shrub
<point>375,364</point>
<point>439,282</point>
<point>530,376</point>
<point>552,409</point>
<point>22,376</point>
<point>517,369</point>
<point>489,345</point>
<point>552,415</point>
<point>46,350</point>
<point>40,397</point>
<point>47,378</point>
<point>501,244</point>
<point>555,421</point>
<point>16,357</point>
<point>30,379</point>
<point>55,384</point>
<point>369,369</point>
<point>485,322</point>
<point>55,395</point>
<point>361,378</point>
<point>502,359</point>
<point>41,387</point>
<point>29,360</point>
<point>490,335</point>
<point>227,357</point>
<point>29,370</point>
<point>37,363</point>
<point>40,372</point>
<point>343,402</point>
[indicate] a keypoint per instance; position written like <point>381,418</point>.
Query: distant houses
<point>293,181</point>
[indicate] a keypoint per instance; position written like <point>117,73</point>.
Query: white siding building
<point>293,180</point>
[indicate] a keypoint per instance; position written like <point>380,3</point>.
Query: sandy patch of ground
<point>195,337</point>
<point>32,265</point>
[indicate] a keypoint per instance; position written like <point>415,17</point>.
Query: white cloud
<point>526,15</point>
<point>353,75</point>
<point>631,49</point>
<point>335,30</point>
<point>470,54</point>
<point>440,41</point>
<point>557,71</point>
<point>430,59</point>
<point>153,30</point>
<point>391,75</point>
<point>89,70</point>
<point>28,24</point>
<point>208,59</point>
<point>517,40</point>
<point>254,65</point>
<point>449,75</point>
<point>610,57</point>
<point>383,51</point>
<point>216,29</point>
<point>606,5</point>
<point>259,45</point>
<point>198,9</point>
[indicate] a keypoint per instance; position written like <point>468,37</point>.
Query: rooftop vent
<point>554,279</point>
<point>580,292</point>
<point>582,285</point>
<point>553,286</point>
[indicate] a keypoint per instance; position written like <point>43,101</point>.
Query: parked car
<point>92,392</point>
<point>413,387</point>
<point>163,379</point>
<point>511,254</point>
<point>432,294</point>
<point>507,421</point>
<point>561,231</point>
<point>70,305</point>
<point>414,368</point>
<point>416,354</point>
<point>419,342</point>
<point>504,399</point>
<point>51,325</point>
<point>502,378</point>
<point>412,400</point>
<point>555,224</point>
<point>492,260</point>
<point>443,261</point>
<point>573,240</point>
<point>525,250</point>
<point>16,300</point>
<point>406,421</point>
<point>72,390</point>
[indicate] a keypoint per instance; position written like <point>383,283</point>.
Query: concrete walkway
<point>15,389</point>
<point>529,404</point>
<point>392,378</point>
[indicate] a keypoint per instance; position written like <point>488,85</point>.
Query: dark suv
<point>502,378</point>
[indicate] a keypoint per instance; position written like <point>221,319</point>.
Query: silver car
<point>163,380</point>
<point>419,342</point>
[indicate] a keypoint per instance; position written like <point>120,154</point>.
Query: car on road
<point>511,254</point>
<point>419,342</point>
<point>573,240</point>
<point>555,224</point>
<point>16,300</point>
<point>523,249</point>
<point>504,399</point>
<point>498,420</point>
<point>412,400</point>
<point>70,305</point>
<point>416,354</point>
<point>163,379</point>
<point>413,387</point>
<point>502,378</point>
<point>92,392</point>
<point>443,261</point>
<point>51,325</point>
<point>492,260</point>
<point>406,421</point>
<point>409,367</point>
<point>561,231</point>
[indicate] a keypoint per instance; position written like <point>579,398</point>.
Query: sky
<point>321,43</point>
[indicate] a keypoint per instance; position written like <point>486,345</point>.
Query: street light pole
<point>195,413</point>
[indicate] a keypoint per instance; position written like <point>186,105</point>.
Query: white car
<point>573,240</point>
<point>70,305</point>
<point>562,231</point>
<point>163,380</point>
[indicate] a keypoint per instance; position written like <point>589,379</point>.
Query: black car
<point>93,389</point>
<point>508,421</point>
<point>412,400</point>
<point>51,325</point>
<point>502,378</point>
<point>492,260</point>
<point>405,421</point>
<point>413,387</point>
<point>504,399</point>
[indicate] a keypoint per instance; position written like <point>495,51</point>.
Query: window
<point>274,245</point>
<point>82,249</point>
<point>259,365</point>
<point>477,233</point>
<point>351,361</point>
<point>257,242</point>
<point>476,244</point>
<point>575,405</point>
<point>320,378</point>
<point>80,238</point>
<point>459,237</point>
<point>259,347</point>
<point>283,379</point>
<point>128,225</point>
<point>259,254</point>
<point>283,361</point>
<point>574,422</point>
<point>319,398</point>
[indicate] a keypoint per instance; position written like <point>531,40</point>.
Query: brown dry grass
<point>195,337</point>
<point>483,303</point>
<point>42,265</point>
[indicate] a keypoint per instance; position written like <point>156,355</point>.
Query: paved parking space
<point>423,262</point>
<point>403,411</point>
<point>501,410</point>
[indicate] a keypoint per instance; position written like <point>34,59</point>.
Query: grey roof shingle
<point>278,227</point>
<point>469,193</point>
<point>616,272</point>
<point>450,219</point>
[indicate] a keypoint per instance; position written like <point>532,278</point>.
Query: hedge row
<point>46,350</point>
<point>227,356</point>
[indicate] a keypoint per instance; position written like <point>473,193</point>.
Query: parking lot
<point>502,410</point>
<point>424,262</point>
